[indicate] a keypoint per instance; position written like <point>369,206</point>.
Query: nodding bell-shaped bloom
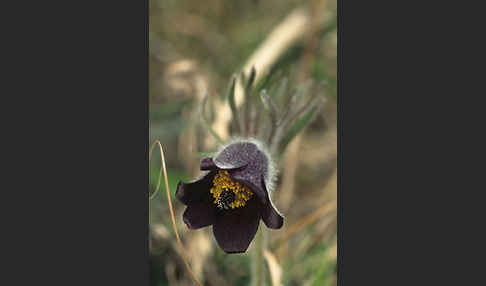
<point>232,195</point>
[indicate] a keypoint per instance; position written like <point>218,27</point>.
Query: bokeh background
<point>195,47</point>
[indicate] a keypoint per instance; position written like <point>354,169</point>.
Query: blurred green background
<point>195,47</point>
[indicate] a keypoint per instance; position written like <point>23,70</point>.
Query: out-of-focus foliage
<point>196,47</point>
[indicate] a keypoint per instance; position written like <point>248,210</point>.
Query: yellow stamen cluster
<point>222,181</point>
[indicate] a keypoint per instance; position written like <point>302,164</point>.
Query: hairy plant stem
<point>258,265</point>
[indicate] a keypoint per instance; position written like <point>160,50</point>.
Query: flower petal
<point>235,229</point>
<point>236,155</point>
<point>208,164</point>
<point>192,192</point>
<point>240,176</point>
<point>270,216</point>
<point>247,164</point>
<point>200,214</point>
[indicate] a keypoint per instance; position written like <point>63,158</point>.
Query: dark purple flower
<point>232,196</point>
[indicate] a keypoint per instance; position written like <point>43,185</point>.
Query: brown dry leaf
<point>184,79</point>
<point>274,267</point>
<point>198,249</point>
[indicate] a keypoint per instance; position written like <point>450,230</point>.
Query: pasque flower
<point>232,195</point>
